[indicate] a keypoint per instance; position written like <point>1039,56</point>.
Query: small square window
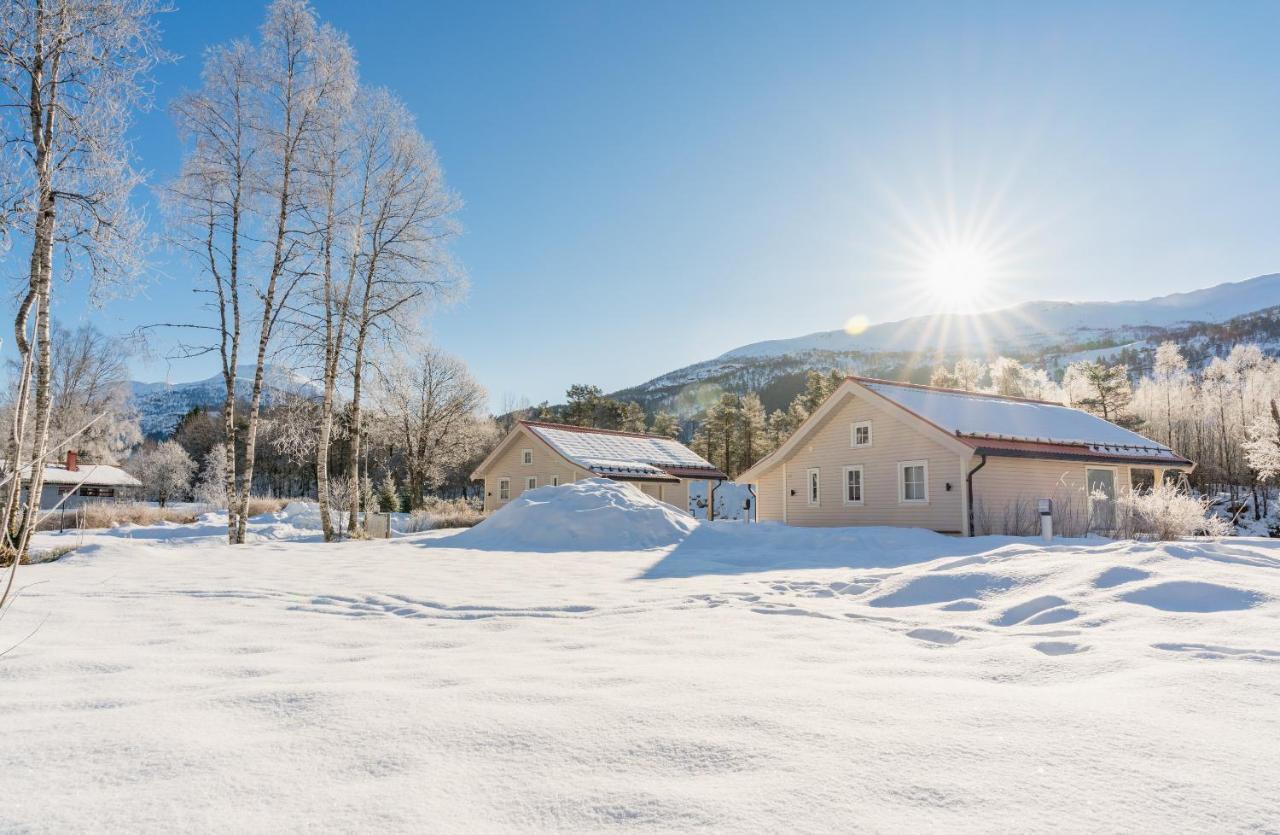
<point>860,434</point>
<point>555,481</point>
<point>504,489</point>
<point>526,456</point>
<point>530,483</point>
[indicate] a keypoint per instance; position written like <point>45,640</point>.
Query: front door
<point>1102,498</point>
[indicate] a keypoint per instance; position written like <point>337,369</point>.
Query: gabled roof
<point>992,424</point>
<point>92,475</point>
<point>998,424</point>
<point>614,454</point>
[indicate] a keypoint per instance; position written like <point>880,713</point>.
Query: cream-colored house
<point>537,454</point>
<point>886,453</point>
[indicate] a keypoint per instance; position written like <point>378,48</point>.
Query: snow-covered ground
<point>739,677</point>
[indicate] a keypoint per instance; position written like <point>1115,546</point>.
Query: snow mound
<point>595,514</point>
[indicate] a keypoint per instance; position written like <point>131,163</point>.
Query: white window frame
<point>531,482</point>
<point>902,481</point>
<point>526,456</point>
<point>862,485</point>
<point>554,481</point>
<point>813,486</point>
<point>504,489</point>
<point>853,434</point>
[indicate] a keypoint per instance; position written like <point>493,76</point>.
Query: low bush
<point>1165,512</point>
<point>107,514</point>
<point>444,513</point>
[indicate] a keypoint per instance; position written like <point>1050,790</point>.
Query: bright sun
<point>958,275</point>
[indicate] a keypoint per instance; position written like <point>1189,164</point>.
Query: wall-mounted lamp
<point>948,487</point>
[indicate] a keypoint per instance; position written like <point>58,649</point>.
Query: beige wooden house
<point>537,454</point>
<point>887,453</point>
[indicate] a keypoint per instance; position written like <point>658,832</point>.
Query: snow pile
<point>595,514</point>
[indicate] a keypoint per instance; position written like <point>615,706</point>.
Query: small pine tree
<point>388,495</point>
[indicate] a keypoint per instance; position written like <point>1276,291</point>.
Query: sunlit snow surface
<point>746,677</point>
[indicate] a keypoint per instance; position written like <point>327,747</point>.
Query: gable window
<point>531,483</point>
<point>913,482</point>
<point>504,489</point>
<point>860,434</point>
<point>853,484</point>
<point>815,487</point>
<point>526,456</point>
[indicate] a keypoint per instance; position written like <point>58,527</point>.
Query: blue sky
<point>650,184</point>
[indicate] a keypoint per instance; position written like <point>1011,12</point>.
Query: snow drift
<point>596,514</point>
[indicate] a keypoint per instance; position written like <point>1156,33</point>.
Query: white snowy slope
<point>745,677</point>
<point>1036,323</point>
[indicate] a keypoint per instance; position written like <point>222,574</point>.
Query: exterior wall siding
<point>894,440</point>
<point>1007,490</point>
<point>769,496</point>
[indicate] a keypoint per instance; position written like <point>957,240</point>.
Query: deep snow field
<point>680,675</point>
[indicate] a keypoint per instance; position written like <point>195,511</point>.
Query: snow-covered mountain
<point>161,405</point>
<point>1047,333</point>
<point>1036,324</point>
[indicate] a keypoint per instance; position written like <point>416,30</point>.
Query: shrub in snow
<point>211,486</point>
<point>164,470</point>
<point>442,513</point>
<point>592,515</point>
<point>1164,512</point>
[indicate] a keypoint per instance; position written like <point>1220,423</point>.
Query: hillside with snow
<point>161,405</point>
<point>1048,334</point>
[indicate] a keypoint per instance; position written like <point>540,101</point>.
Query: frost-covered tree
<point>72,74</point>
<point>165,471</point>
<point>431,406</point>
<point>211,484</point>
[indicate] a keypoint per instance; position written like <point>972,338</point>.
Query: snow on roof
<point>985,416</point>
<point>607,452</point>
<point>89,474</point>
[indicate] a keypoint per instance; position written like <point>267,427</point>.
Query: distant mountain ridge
<point>161,405</point>
<point>1048,334</point>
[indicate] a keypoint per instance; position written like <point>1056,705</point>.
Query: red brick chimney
<point>71,461</point>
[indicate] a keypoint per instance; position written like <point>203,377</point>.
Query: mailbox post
<point>1046,519</point>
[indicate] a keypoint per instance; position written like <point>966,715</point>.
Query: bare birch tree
<point>306,68</point>
<point>210,206</point>
<point>72,74</point>
<point>402,264</point>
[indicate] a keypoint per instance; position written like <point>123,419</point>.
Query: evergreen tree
<point>665,424</point>
<point>753,425</point>
<point>583,406</point>
<point>632,417</point>
<point>388,495</point>
<point>1105,392</point>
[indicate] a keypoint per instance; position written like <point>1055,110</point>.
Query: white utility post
<point>1046,520</point>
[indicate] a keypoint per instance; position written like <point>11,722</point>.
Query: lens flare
<point>856,324</point>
